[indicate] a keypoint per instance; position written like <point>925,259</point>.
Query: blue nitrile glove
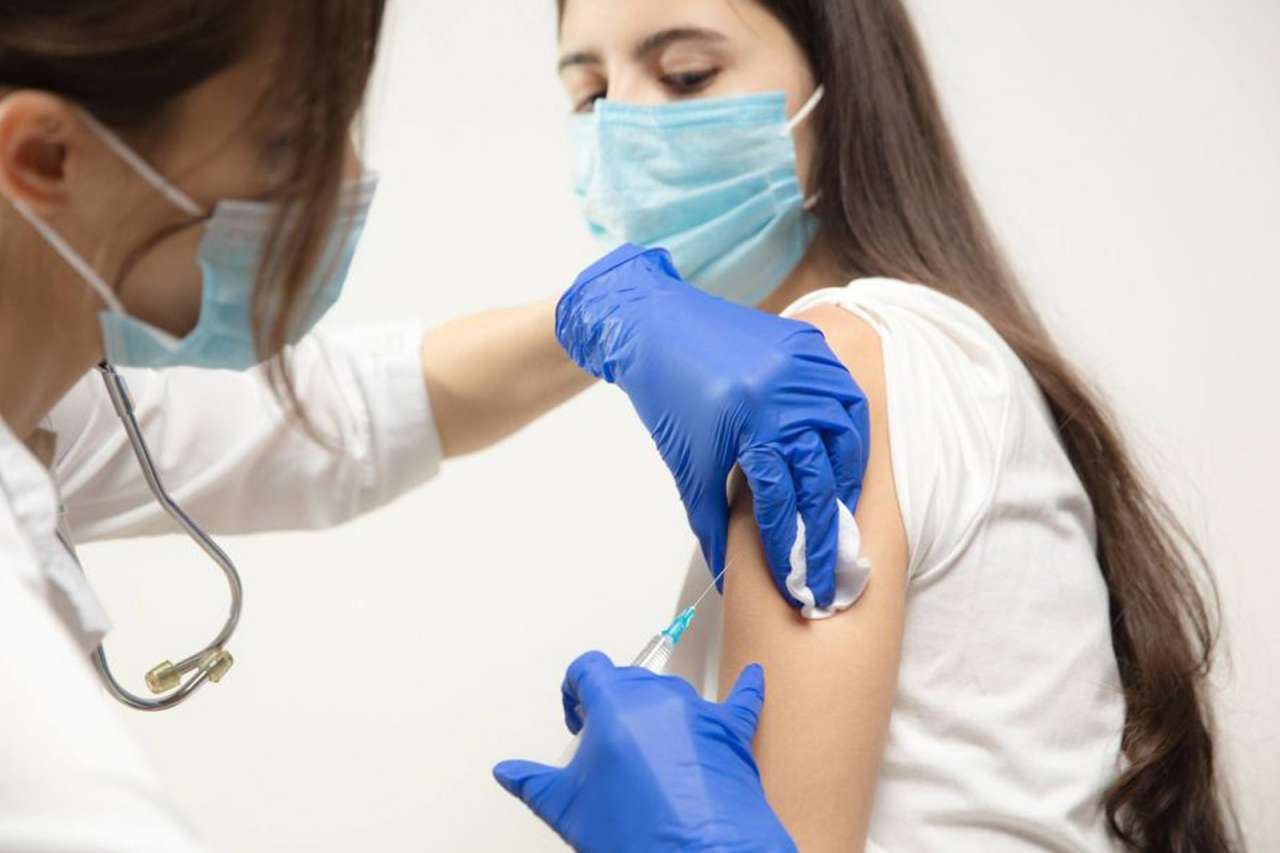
<point>658,768</point>
<point>719,384</point>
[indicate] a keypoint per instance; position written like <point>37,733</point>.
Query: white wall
<point>1127,154</point>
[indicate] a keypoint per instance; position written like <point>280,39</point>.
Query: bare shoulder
<point>851,338</point>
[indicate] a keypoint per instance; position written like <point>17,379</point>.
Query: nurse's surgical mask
<point>712,181</point>
<point>229,258</point>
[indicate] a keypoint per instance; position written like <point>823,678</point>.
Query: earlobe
<point>35,131</point>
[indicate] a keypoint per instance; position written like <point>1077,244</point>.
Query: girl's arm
<point>830,684</point>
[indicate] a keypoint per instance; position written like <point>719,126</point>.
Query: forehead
<point>613,24</point>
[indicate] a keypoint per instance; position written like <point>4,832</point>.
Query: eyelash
<point>684,83</point>
<point>689,82</point>
<point>585,104</point>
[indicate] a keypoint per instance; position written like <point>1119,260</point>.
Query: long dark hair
<point>126,61</point>
<point>894,202</point>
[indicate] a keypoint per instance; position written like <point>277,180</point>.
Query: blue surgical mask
<point>712,181</point>
<point>229,257</point>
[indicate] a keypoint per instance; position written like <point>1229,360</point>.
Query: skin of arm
<point>829,684</point>
<point>490,374</point>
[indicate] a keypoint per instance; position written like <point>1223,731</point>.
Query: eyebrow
<point>646,48</point>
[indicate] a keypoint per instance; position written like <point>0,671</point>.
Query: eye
<point>689,82</point>
<point>585,105</point>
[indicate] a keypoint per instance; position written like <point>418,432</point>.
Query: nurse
<point>180,191</point>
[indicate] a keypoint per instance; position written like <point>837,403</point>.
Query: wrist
<point>603,307</point>
<point>577,333</point>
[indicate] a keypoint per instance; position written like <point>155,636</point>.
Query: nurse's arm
<point>492,373</point>
<point>389,403</point>
<point>235,459</point>
<point>829,684</point>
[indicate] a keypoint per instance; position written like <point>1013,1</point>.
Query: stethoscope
<point>210,663</point>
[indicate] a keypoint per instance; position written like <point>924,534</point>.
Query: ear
<point>38,133</point>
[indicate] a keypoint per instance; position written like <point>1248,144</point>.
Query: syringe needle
<point>712,585</point>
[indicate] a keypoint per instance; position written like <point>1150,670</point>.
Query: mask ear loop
<point>144,170</point>
<point>805,111</point>
<point>798,119</point>
<point>70,255</point>
<point>177,197</point>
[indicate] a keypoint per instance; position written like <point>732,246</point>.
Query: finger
<point>816,501</point>
<point>573,712</point>
<point>774,505</point>
<point>709,518</point>
<point>846,440</point>
<point>746,699</point>
<point>847,452</point>
<point>580,684</point>
<point>526,780</point>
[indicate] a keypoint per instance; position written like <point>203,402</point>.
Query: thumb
<point>526,780</point>
<point>746,699</point>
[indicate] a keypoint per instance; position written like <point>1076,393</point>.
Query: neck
<point>48,326</point>
<point>816,270</point>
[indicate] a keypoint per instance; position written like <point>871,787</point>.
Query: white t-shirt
<point>1006,725</point>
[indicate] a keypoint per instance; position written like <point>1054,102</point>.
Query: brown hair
<point>894,202</point>
<point>126,61</point>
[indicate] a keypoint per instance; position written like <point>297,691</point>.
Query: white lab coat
<point>71,778</point>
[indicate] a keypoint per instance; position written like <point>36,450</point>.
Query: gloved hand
<point>658,768</point>
<point>719,384</point>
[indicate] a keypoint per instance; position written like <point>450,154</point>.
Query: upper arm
<point>234,457</point>
<point>829,684</point>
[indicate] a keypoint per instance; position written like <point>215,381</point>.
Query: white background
<point>1127,153</point>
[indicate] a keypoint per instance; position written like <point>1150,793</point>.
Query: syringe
<point>657,653</point>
